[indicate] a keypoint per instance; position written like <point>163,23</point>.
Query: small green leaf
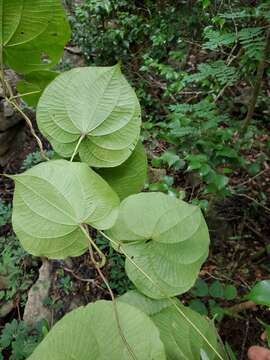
<point>260,293</point>
<point>170,158</point>
<point>200,288</point>
<point>216,290</point>
<point>230,292</point>
<point>227,152</point>
<point>254,169</point>
<point>220,181</point>
<point>198,305</point>
<point>206,3</point>
<point>216,311</point>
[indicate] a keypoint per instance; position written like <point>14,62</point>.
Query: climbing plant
<point>92,118</point>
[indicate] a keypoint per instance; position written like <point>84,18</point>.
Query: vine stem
<point>115,311</point>
<point>92,243</point>
<point>98,266</point>
<point>164,293</point>
<point>77,147</point>
<point>257,85</point>
<point>22,95</point>
<point>29,123</point>
<point>2,69</point>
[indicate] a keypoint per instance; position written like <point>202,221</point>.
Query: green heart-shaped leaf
<point>33,34</point>
<point>92,333</point>
<point>166,237</point>
<point>180,339</point>
<point>51,203</point>
<point>94,110</point>
<point>129,177</point>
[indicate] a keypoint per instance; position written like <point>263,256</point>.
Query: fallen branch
<point>247,305</point>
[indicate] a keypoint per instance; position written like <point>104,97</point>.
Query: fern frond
<point>217,39</point>
<point>217,70</point>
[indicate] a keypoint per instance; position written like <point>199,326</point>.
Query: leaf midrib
<point>46,200</point>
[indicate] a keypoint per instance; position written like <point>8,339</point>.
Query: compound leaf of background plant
<point>33,35</point>
<point>180,339</point>
<point>200,289</point>
<point>51,202</point>
<point>216,289</point>
<point>166,237</point>
<point>93,110</point>
<point>230,292</point>
<point>198,306</point>
<point>260,293</point>
<point>34,84</point>
<point>128,178</point>
<point>91,333</point>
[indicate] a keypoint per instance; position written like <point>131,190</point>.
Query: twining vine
<point>92,118</point>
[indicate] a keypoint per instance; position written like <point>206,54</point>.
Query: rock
<point>6,308</point>
<point>35,309</point>
<point>11,123</point>
<point>11,143</point>
<point>3,282</point>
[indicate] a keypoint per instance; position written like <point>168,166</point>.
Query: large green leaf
<point>129,177</point>
<point>180,339</point>
<point>51,202</point>
<point>34,84</point>
<point>167,238</point>
<point>95,103</point>
<point>33,33</point>
<point>92,333</point>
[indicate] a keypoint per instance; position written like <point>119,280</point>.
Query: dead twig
<point>244,341</point>
<point>252,178</point>
<point>78,277</point>
<point>254,200</point>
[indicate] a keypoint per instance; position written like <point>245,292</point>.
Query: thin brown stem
<point>78,277</point>
<point>251,179</point>
<point>257,85</point>
<point>92,243</point>
<point>30,125</point>
<point>254,200</point>
<point>2,72</point>
<point>130,351</point>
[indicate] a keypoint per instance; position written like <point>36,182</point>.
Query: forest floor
<point>239,230</point>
